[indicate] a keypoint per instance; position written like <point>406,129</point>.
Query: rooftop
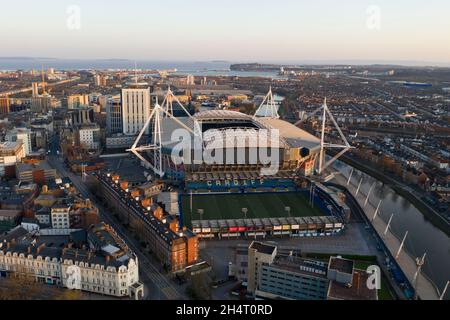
<point>292,135</point>
<point>263,247</point>
<point>299,265</point>
<point>358,290</point>
<point>341,265</point>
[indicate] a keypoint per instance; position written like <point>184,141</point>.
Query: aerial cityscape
<point>169,170</point>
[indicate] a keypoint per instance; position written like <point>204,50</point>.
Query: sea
<point>196,68</point>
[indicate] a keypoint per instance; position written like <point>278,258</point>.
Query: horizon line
<point>360,62</point>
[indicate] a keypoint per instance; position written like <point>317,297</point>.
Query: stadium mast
<point>156,143</point>
<point>267,108</point>
<point>325,145</point>
<point>167,104</point>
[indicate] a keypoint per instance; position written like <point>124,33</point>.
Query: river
<point>422,235</point>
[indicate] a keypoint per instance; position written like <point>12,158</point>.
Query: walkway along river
<point>422,235</point>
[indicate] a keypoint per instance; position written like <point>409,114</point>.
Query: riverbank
<point>403,260</point>
<point>431,215</point>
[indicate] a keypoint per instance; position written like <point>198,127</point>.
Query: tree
<point>199,288</point>
<point>20,287</point>
<point>68,294</point>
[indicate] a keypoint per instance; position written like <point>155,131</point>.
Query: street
<point>157,285</point>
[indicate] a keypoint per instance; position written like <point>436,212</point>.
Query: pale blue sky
<point>239,30</point>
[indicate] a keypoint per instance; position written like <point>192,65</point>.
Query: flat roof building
<point>271,275</point>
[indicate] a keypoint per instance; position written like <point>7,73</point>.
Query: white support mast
<point>323,145</point>
<point>359,187</point>
<point>350,177</point>
<point>388,225</point>
<point>156,145</point>
<point>368,194</point>
<point>444,291</point>
<point>419,263</point>
<point>322,136</point>
<point>401,246</point>
<point>167,104</point>
<point>376,211</point>
<point>345,147</point>
<point>268,107</point>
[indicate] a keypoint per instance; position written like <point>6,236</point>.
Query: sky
<point>232,30</point>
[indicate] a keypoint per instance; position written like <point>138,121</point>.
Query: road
<point>164,287</point>
<point>28,89</point>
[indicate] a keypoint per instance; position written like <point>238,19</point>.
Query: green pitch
<point>264,205</point>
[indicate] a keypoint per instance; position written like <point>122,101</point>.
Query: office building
<point>89,136</point>
<point>271,275</point>
<point>81,116</point>
<point>34,89</point>
<point>41,103</point>
<point>135,108</point>
<point>190,80</point>
<point>100,80</point>
<point>59,215</point>
<point>40,173</point>
<point>4,105</point>
<point>20,134</point>
<point>76,101</point>
<point>114,116</point>
<point>10,154</point>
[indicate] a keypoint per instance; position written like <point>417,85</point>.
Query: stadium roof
<point>292,135</point>
<point>221,115</point>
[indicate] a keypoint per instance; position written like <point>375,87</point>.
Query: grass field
<point>263,205</point>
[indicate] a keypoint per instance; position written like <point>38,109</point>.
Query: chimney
<point>107,259</point>
<point>124,185</point>
<point>135,193</point>
<point>158,213</point>
<point>174,225</point>
<point>147,202</point>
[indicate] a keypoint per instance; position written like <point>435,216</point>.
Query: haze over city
<point>351,31</point>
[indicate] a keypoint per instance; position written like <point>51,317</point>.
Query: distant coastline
<point>27,63</point>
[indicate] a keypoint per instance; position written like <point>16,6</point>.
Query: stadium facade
<point>240,150</point>
<point>223,151</point>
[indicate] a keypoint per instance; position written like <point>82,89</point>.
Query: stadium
<point>233,198</point>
